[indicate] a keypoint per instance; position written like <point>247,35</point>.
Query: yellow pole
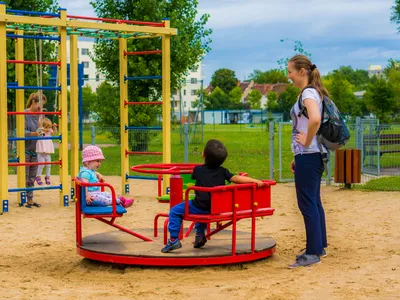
<point>3,115</point>
<point>63,126</point>
<point>20,106</point>
<point>123,110</point>
<point>73,39</point>
<point>166,100</point>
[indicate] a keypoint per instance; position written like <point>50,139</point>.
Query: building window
<point>193,80</point>
<point>85,77</point>
<point>194,69</point>
<point>97,77</point>
<point>85,64</point>
<point>193,92</point>
<point>184,104</point>
<point>85,51</point>
<point>184,92</point>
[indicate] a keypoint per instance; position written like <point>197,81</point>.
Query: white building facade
<point>92,77</point>
<point>182,100</point>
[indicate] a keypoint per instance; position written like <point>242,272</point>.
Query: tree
<point>394,82</point>
<point>286,100</point>
<point>254,98</point>
<point>217,100</point>
<point>298,49</point>
<point>342,93</point>
<point>187,50</point>
<point>235,97</point>
<point>393,64</point>
<point>225,79</point>
<point>272,103</point>
<point>380,99</point>
<point>89,99</point>
<point>270,76</point>
<point>359,79</point>
<point>395,17</point>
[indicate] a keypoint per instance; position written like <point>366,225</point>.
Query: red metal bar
<point>11,113</point>
<point>142,103</point>
<point>156,222</point>
<point>35,163</point>
<point>142,52</point>
<point>253,220</point>
<point>159,185</point>
<point>30,62</point>
<point>146,239</point>
<point>143,153</point>
<point>78,216</point>
<point>234,220</point>
<point>154,24</point>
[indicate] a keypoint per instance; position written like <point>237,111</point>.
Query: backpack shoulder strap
<point>302,108</point>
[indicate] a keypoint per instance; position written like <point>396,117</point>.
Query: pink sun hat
<point>90,153</point>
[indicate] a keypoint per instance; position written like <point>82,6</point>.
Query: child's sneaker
<point>171,245</point>
<point>128,203</point>
<point>199,241</point>
<point>47,179</point>
<point>39,180</point>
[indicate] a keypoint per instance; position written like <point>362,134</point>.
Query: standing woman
<point>31,127</point>
<point>307,165</point>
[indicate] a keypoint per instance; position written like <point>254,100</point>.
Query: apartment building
<point>184,98</point>
<point>91,76</point>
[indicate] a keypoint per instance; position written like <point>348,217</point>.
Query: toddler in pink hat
<point>92,157</point>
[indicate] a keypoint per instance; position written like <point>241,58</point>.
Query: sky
<point>247,34</point>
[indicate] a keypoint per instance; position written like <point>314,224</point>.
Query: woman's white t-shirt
<point>301,124</point>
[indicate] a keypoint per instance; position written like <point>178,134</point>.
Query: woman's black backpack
<point>333,132</point>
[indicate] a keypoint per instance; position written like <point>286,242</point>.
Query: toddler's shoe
<point>199,241</point>
<point>171,245</point>
<point>39,180</point>
<point>47,179</point>
<point>128,202</point>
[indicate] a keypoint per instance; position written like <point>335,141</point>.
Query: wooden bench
<point>230,204</point>
<point>370,141</point>
<point>98,212</point>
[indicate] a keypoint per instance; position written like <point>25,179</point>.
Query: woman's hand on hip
<point>292,166</point>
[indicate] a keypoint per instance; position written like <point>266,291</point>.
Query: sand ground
<point>38,257</point>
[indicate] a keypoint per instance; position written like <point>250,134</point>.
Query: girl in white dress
<point>44,149</point>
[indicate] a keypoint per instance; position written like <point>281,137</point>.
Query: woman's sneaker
<point>47,179</point>
<point>305,260</point>
<point>303,251</point>
<point>171,245</point>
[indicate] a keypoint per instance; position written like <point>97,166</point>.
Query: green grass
<point>248,148</point>
<point>391,183</point>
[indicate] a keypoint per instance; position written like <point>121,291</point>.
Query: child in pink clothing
<point>92,157</point>
<point>44,149</point>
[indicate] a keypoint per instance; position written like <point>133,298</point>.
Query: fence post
<point>280,150</point>
<point>93,135</point>
<point>328,171</point>
<point>186,142</point>
<point>358,133</point>
<point>271,149</point>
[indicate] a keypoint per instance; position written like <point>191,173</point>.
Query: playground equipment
<point>56,27</point>
<point>229,205</point>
